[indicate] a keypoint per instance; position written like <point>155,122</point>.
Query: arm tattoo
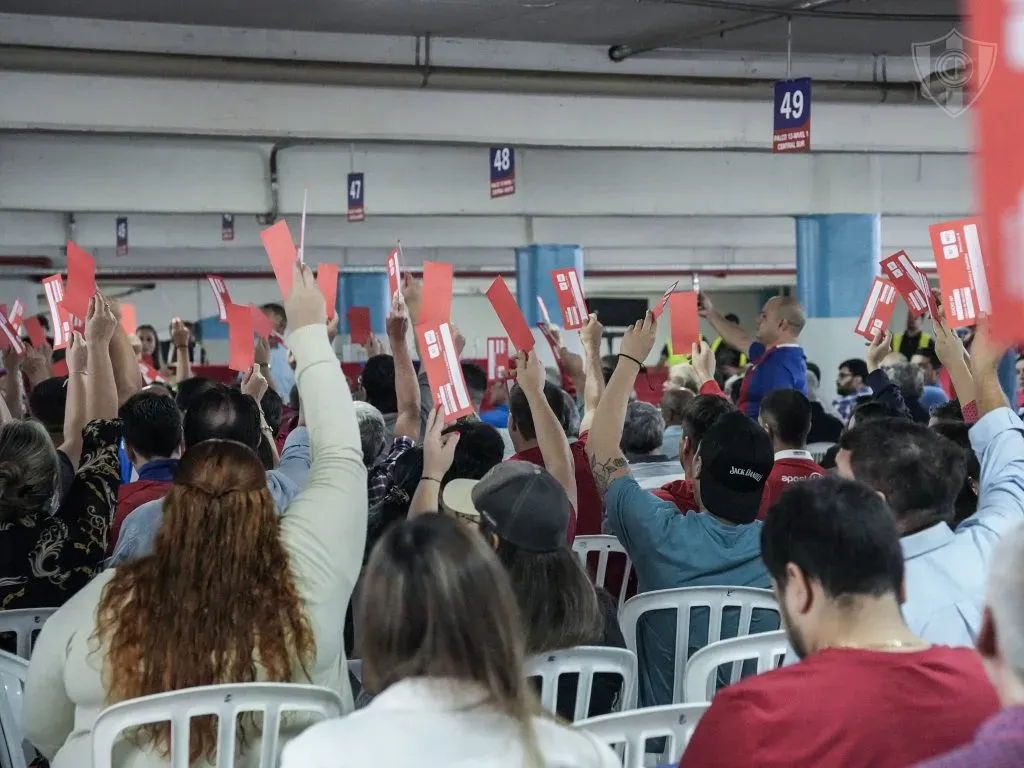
<point>608,471</point>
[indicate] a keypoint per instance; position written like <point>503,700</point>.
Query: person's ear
<point>799,589</point>
<point>696,467</point>
<point>901,595</point>
<point>987,643</point>
<point>494,540</point>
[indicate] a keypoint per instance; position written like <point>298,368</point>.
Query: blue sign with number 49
<point>792,123</point>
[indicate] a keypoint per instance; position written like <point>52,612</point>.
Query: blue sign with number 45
<point>792,122</point>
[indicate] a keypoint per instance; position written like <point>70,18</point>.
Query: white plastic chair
<point>604,546</point>
<point>677,722</point>
<point>13,671</point>
<point>700,678</point>
<point>224,701</point>
<point>355,667</point>
<point>683,601</point>
<point>586,661</point>
<point>818,450</point>
<point>24,623</point>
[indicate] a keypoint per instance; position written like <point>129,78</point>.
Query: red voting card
<point>877,310</point>
<point>907,278</point>
<point>359,324</point>
<point>35,331</point>
<point>497,358</point>
<point>53,287</point>
<point>660,306</point>
<point>511,318</point>
<point>262,325</point>
<point>280,248</point>
<point>444,372</point>
<point>220,295</point>
<point>998,114</point>
<point>545,317</point>
<point>16,315</point>
<point>549,337</point>
<point>394,274</point>
<point>962,279</point>
<point>242,352</point>
<point>327,280</point>
<point>59,367</point>
<point>437,293</point>
<point>81,281</point>
<point>9,337</point>
<point>129,321</point>
<point>570,298</point>
<point>685,326</point>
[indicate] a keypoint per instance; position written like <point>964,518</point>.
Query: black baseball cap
<point>736,458</point>
<point>521,502</point>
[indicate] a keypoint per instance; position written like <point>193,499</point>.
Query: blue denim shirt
<point>946,571</point>
<point>139,529</point>
<point>672,550</point>
<point>281,372</point>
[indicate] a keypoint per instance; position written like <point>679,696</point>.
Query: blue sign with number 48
<point>503,171</point>
<point>792,121</point>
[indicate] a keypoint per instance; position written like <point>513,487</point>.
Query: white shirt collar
<point>780,346</point>
<point>430,694</point>
<point>794,454</point>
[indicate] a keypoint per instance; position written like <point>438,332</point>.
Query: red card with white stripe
<point>444,371</point>
<point>511,317</point>
<point>685,323</point>
<point>394,274</point>
<point>660,306</point>
<point>878,309</point>
<point>497,358</point>
<point>570,298</point>
<point>962,279</point>
<point>81,285</point>
<point>9,337</point>
<point>150,374</point>
<point>17,314</point>
<point>60,321</point>
<point>545,316</point>
<point>909,281</point>
<point>220,295</point>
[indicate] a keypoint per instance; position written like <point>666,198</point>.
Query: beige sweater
<point>323,530</point>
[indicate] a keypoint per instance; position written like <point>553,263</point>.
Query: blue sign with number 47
<point>792,116</point>
<point>503,171</point>
<point>356,196</point>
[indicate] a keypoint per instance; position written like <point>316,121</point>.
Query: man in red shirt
<point>786,417</point>
<point>869,693</point>
<point>589,516</point>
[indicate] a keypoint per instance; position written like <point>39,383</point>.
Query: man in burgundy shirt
<point>786,417</point>
<point>999,743</point>
<point>868,693</point>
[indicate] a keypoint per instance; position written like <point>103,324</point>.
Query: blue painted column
<point>837,258</point>
<point>364,289</point>
<point>533,278</point>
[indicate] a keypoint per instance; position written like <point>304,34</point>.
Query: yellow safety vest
<point>923,341</point>
<point>674,359</point>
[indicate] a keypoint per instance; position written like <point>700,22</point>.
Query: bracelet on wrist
<point>630,357</point>
<point>428,477</point>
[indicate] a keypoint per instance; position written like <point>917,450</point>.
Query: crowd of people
<point>199,533</point>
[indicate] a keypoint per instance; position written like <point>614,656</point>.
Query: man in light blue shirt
<point>920,474</point>
<point>719,546</point>
<point>280,367</point>
<point>226,414</point>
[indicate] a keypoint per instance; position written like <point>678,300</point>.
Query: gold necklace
<point>885,645</point>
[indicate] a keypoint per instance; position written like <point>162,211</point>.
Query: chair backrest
<point>700,678</point>
<point>13,671</point>
<point>226,702</point>
<point>683,601</point>
<point>818,450</point>
<point>24,623</point>
<point>585,661</point>
<point>633,729</point>
<point>603,545</point>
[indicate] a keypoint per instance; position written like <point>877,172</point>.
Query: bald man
<point>777,360</point>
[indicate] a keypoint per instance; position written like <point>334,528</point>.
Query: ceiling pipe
<point>54,60</point>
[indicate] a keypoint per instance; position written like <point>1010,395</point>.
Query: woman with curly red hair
<point>231,592</point>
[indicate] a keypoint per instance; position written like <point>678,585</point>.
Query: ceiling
<point>638,23</point>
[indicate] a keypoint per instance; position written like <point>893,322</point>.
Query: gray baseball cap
<point>521,502</point>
